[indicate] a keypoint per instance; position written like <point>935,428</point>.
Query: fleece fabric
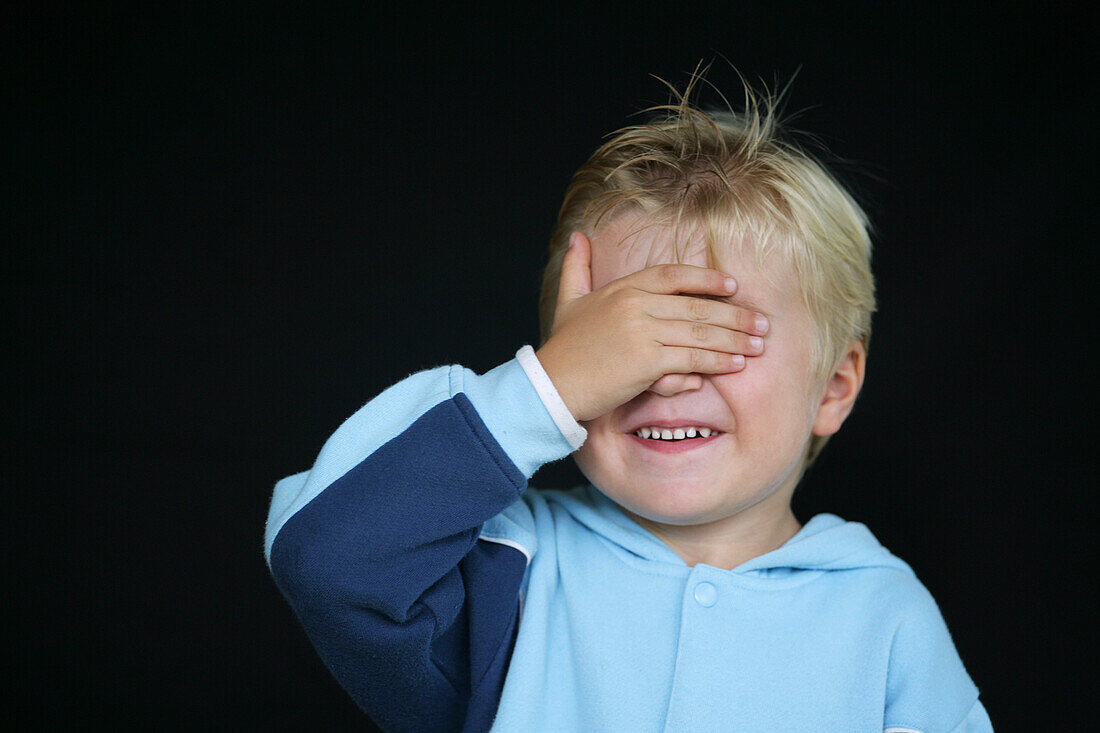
<point>444,594</point>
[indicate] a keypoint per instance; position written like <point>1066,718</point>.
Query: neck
<point>728,542</point>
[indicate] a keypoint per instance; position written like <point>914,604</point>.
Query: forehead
<point>627,244</point>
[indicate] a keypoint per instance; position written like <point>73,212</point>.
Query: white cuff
<point>569,427</point>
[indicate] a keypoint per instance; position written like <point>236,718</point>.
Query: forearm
<point>376,546</point>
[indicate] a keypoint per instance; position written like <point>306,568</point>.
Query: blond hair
<point>729,177</point>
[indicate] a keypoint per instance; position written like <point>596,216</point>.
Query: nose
<point>673,384</point>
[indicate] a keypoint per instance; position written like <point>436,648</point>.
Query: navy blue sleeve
<point>412,614</point>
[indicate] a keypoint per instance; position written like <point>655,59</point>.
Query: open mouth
<point>675,434</point>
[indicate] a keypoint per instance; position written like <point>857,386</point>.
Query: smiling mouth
<point>675,434</point>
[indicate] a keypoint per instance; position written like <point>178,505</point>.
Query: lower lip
<point>673,446</point>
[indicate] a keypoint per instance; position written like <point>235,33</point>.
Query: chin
<point>679,504</point>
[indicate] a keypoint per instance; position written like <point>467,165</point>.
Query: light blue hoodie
<point>830,632</point>
<point>445,595</point>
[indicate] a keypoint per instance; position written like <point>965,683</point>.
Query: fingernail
<point>756,342</point>
<point>731,284</point>
<point>738,360</point>
<point>572,239</point>
<point>761,324</point>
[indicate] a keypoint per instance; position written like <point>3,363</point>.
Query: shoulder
<point>927,685</point>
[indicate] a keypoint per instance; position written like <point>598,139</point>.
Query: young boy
<point>706,313</point>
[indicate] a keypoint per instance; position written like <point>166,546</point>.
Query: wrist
<point>552,367</point>
<point>549,391</point>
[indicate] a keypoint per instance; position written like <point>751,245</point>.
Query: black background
<point>229,228</point>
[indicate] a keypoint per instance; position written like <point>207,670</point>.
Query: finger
<point>705,310</point>
<point>576,270</point>
<point>706,336</point>
<point>673,384</point>
<point>671,279</point>
<point>693,360</point>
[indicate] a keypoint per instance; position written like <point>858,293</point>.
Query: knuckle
<point>700,309</point>
<point>633,311</point>
<point>669,275</point>
<point>747,319</point>
<point>633,299</point>
<point>699,331</point>
<point>696,358</point>
<point>622,302</point>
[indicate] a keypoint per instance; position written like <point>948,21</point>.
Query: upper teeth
<point>656,433</point>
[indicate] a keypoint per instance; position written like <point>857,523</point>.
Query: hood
<point>825,543</point>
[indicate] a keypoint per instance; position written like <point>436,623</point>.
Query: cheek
<point>742,391</point>
<point>596,465</point>
<point>590,456</point>
<point>767,402</point>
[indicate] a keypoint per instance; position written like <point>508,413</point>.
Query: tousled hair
<point>732,179</point>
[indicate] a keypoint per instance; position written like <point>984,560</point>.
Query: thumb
<point>576,270</point>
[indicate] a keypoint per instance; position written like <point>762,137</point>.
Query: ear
<point>841,390</point>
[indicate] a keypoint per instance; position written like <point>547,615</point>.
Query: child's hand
<point>610,345</point>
